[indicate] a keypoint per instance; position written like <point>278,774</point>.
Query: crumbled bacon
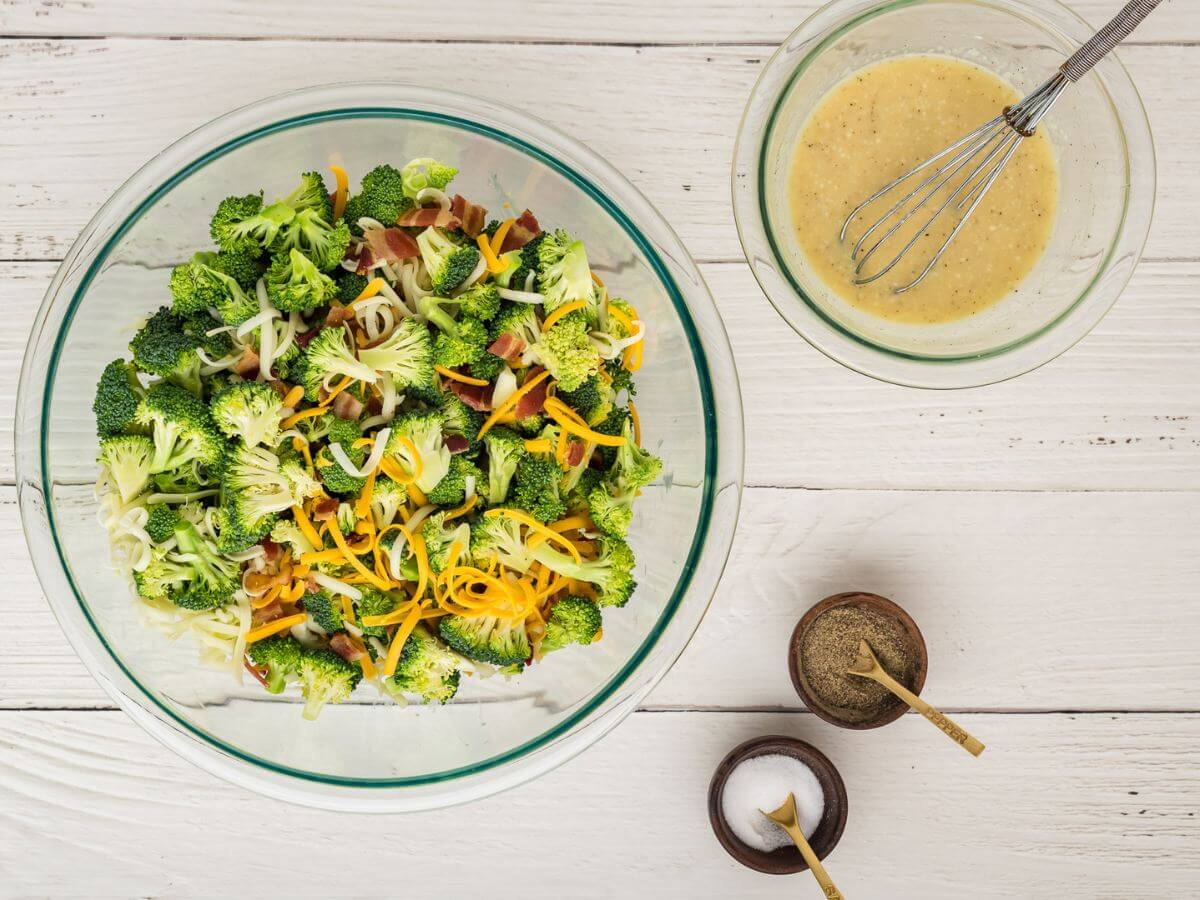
<point>255,671</point>
<point>347,406</point>
<point>343,647</point>
<point>364,260</point>
<point>456,443</point>
<point>324,509</point>
<point>575,450</point>
<point>271,550</point>
<point>425,216</point>
<point>337,315</point>
<point>391,244</point>
<point>304,337</point>
<point>476,396</point>
<point>522,231</point>
<point>279,387</point>
<point>532,402</point>
<point>268,613</point>
<point>472,215</point>
<point>247,366</point>
<point>508,347</point>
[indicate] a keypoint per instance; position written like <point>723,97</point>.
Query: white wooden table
<point>1043,532</point>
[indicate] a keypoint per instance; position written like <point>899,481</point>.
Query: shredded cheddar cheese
<point>270,628</point>
<point>455,376</point>
<point>564,310</point>
<point>303,414</point>
<point>398,640</point>
<point>637,424</point>
<point>511,402</point>
<point>306,528</point>
<point>494,264</point>
<point>561,414</point>
<point>374,286</point>
<point>500,235</point>
<point>337,389</point>
<point>358,567</point>
<point>341,194</point>
<point>535,526</point>
<point>293,396</point>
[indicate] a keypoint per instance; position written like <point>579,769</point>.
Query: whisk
<point>983,154</point>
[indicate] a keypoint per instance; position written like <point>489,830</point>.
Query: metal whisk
<point>983,154</point>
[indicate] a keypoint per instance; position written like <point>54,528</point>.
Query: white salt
<point>763,783</point>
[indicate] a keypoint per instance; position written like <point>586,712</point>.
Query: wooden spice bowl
<point>786,860</point>
<point>896,708</point>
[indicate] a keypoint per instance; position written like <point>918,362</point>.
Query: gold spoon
<point>867,666</point>
<point>785,818</point>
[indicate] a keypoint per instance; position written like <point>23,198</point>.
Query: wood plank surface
<point>1095,806</point>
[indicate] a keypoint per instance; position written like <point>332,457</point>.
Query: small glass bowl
<point>1106,162</point>
<point>381,756</point>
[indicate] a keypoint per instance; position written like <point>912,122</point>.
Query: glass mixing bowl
<point>370,754</point>
<point>1105,157</point>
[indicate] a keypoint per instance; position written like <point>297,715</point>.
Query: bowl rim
<point>1016,357</point>
<point>419,99</point>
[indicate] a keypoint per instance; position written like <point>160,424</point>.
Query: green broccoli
<point>242,520</point>
<point>466,343</point>
<point>505,450</point>
<point>520,264</point>
<point>382,198</point>
<point>258,475</point>
<point>162,347</point>
<point>327,357</point>
<point>182,429</point>
<point>622,378</point>
<point>214,577</point>
<point>572,620</point>
<point>374,603</point>
<point>250,410</point>
<point>387,500</point>
<point>563,274</point>
<point>197,285</point>
<point>128,459</point>
<point>611,572</point>
<point>479,301</point>
<point>197,327</point>
<point>535,488</point>
<point>499,537</point>
<point>336,479</point>
<point>448,263</point>
<point>423,429</point>
<point>613,425</point>
<point>280,654</point>
<point>311,195</point>
<point>568,352</point>
<point>440,539</point>
<point>118,394</point>
<point>242,267</point>
<point>422,173</point>
<point>611,503</point>
<point>487,367</point>
<point>324,610</point>
<point>325,678</point>
<point>519,320</point>
<point>161,522</point>
<point>459,420</point>
<point>311,235</point>
<point>500,642</point>
<point>427,668</point>
<point>244,225</point>
<point>591,400</point>
<point>436,310</point>
<point>350,285</point>
<point>452,489</point>
<point>406,354</point>
<point>288,533</point>
<point>295,284</point>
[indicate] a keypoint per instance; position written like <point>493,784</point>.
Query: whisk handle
<point>1121,26</point>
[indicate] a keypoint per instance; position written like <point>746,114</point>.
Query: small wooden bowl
<point>786,860</point>
<point>894,709</point>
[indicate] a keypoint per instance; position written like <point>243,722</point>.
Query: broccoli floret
<point>128,459</point>
<point>423,429</point>
<point>519,320</point>
<point>577,498</point>
<point>324,610</point>
<point>531,425</point>
<point>427,668</point>
<point>161,577</point>
<point>452,489</point>
<point>622,378</point>
<point>344,432</point>
<point>311,195</point>
<point>519,264</point>
<point>499,536</point>
<point>459,420</point>
<point>288,533</point>
<point>422,173</point>
<point>437,311</point>
<point>197,327</point>
<point>567,351</point>
<point>259,477</point>
<point>325,678</point>
<point>281,656</point>
<point>614,426</point>
<point>572,620</point>
<point>500,642</point>
<point>505,450</point>
<point>213,574</point>
<point>161,521</point>
<point>242,267</point>
<point>465,344</point>
<point>387,500</point>
<point>197,285</point>
<point>350,285</point>
<point>611,572</point>
<point>440,540</point>
<point>479,301</point>
<point>448,263</point>
<point>382,197</point>
<point>611,503</point>
<point>406,354</point>
<point>535,488</point>
<point>117,396</point>
<point>242,520</point>
<point>250,410</point>
<point>336,479</point>
<point>563,272</point>
<point>327,358</point>
<point>591,400</point>
<point>374,603</point>
<point>162,347</point>
<point>244,225</point>
<point>295,284</point>
<point>182,429</point>
<point>311,234</point>
<point>487,367</point>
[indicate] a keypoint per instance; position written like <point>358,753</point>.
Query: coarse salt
<point>763,783</point>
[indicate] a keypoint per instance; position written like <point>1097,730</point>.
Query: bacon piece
<point>325,509</point>
<point>304,337</point>
<point>508,347</point>
<point>391,244</point>
<point>247,366</point>
<point>279,387</point>
<point>271,550</point>
<point>337,315</point>
<point>476,396</point>
<point>347,406</point>
<point>472,215</point>
<point>456,443</point>
<point>268,613</point>
<point>425,216</point>
<point>364,260</point>
<point>342,646</point>
<point>521,232</point>
<point>255,671</point>
<point>532,403</point>
<point>575,451</point>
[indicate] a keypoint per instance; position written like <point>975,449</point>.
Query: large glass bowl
<point>1105,156</point>
<point>371,754</point>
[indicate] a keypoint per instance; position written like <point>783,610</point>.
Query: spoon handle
<point>956,733</point>
<point>814,864</point>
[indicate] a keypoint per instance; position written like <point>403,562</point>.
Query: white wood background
<point>1043,532</point>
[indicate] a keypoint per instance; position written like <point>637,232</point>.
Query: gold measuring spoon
<point>867,666</point>
<point>785,818</point>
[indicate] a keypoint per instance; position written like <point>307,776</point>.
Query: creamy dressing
<point>878,124</point>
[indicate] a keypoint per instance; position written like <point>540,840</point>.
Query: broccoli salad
<point>376,436</point>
